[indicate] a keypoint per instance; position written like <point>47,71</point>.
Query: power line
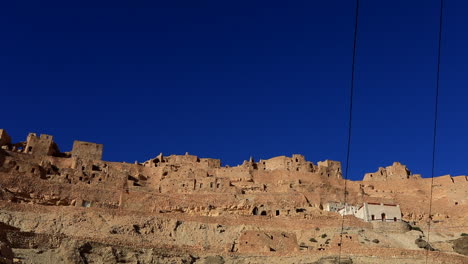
<point>353,67</point>
<point>436,109</point>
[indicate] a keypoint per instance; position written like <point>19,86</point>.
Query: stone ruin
<point>397,171</point>
<point>276,207</point>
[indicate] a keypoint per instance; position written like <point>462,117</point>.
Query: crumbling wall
<point>210,163</point>
<point>295,163</point>
<point>42,145</point>
<point>329,168</point>
<point>183,160</point>
<point>5,139</point>
<point>87,150</point>
<point>396,171</point>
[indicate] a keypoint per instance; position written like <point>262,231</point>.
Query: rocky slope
<point>73,207</point>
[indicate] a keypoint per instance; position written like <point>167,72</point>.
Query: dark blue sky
<point>233,79</point>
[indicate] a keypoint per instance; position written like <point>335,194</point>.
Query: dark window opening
<point>277,212</point>
<point>394,219</point>
<point>33,170</point>
<point>131,178</point>
<point>263,213</point>
<point>300,210</point>
<point>255,211</point>
<point>29,149</point>
<point>17,167</point>
<point>456,203</point>
<point>96,168</point>
<point>372,217</point>
<point>383,217</point>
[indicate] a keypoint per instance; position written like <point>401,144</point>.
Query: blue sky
<point>236,79</point>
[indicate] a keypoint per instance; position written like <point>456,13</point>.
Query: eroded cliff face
<point>73,207</point>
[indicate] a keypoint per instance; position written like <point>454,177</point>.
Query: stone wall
<point>330,168</point>
<point>396,171</point>
<point>42,145</point>
<point>87,150</point>
<point>295,163</point>
<point>5,139</point>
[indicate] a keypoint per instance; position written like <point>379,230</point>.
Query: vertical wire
<point>436,109</point>
<point>353,66</point>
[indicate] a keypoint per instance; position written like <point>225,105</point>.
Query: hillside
<point>73,207</point>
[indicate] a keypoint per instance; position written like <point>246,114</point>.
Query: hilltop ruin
<point>195,209</point>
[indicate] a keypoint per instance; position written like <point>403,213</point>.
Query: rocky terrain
<point>73,207</point>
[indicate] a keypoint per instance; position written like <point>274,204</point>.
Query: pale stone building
<point>349,210</point>
<point>333,206</point>
<point>368,211</point>
<point>379,212</point>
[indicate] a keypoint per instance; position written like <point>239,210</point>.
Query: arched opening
<point>394,219</point>
<point>255,211</point>
<point>372,217</point>
<point>277,212</point>
<point>383,217</point>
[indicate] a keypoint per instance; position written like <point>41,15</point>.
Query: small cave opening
<point>255,211</point>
